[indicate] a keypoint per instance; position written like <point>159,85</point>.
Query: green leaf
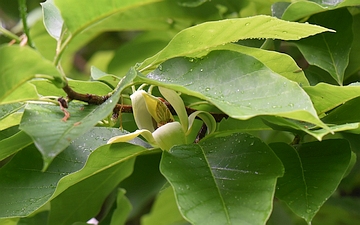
<point>123,208</point>
<point>11,120</point>
<point>6,110</point>
<point>237,84</point>
<point>25,92</point>
<point>52,135</point>
<point>87,198</point>
<point>345,113</point>
<point>164,210</point>
<point>21,197</point>
<point>44,88</point>
<point>98,10</point>
<point>148,43</point>
<point>326,97</point>
<point>234,125</point>
<point>52,19</point>
<point>14,144</point>
<point>354,58</point>
<point>200,37</point>
<point>332,49</point>
<point>278,62</point>
<point>191,3</point>
<point>231,178</point>
<point>302,9</point>
<point>21,65</point>
<point>298,127</point>
<point>312,174</point>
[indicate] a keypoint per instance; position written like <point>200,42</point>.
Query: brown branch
<point>121,108</point>
<point>89,98</point>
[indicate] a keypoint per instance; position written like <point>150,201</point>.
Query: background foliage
<point>280,78</point>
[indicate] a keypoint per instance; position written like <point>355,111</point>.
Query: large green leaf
<point>25,92</point>
<point>238,84</point>
<point>13,144</point>
<point>302,9</point>
<point>123,208</point>
<point>326,97</point>
<point>354,58</point>
<point>52,135</point>
<point>86,197</point>
<point>21,65</point>
<point>344,114</point>
<point>97,11</point>
<point>223,180</point>
<point>201,37</point>
<point>278,62</point>
<point>52,19</point>
<point>298,127</point>
<point>164,210</point>
<point>21,197</point>
<point>332,49</point>
<point>312,173</point>
<point>8,109</point>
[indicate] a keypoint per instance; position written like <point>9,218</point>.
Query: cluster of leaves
<point>284,149</point>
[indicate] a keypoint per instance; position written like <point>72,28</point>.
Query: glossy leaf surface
<point>301,9</point>
<point>320,93</point>
<point>76,22</point>
<point>227,31</point>
<point>13,144</point>
<point>82,118</point>
<point>218,171</point>
<point>36,188</point>
<point>87,198</point>
<point>332,49</point>
<point>280,63</point>
<point>312,174</point>
<point>21,65</point>
<point>52,19</point>
<point>237,84</point>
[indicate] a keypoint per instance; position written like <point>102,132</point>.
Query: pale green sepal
<point>157,109</point>
<point>128,137</point>
<point>177,103</point>
<point>204,116</point>
<point>169,135</point>
<point>142,117</point>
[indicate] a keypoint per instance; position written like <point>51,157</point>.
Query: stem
<point>60,50</point>
<point>267,45</point>
<point>23,13</point>
<point>89,98</point>
<point>9,34</point>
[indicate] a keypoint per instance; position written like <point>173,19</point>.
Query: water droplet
<point>291,105</point>
<point>247,24</point>
<point>160,67</point>
<point>191,60</point>
<point>284,32</point>
<point>201,70</point>
<point>190,70</point>
<point>207,89</point>
<point>256,172</point>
